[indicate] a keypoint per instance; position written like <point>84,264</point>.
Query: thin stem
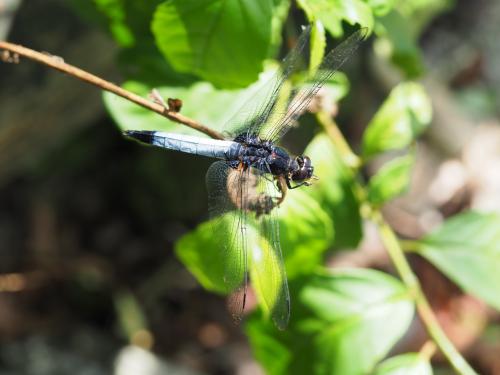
<point>424,309</point>
<point>409,245</point>
<point>57,63</point>
<point>428,350</point>
<point>333,132</point>
<point>396,253</point>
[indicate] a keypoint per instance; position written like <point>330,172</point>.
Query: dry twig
<point>58,63</point>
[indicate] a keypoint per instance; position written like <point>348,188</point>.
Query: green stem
<point>333,132</point>
<point>409,245</point>
<point>424,309</point>
<point>396,253</point>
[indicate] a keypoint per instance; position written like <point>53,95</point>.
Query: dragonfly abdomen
<point>213,148</point>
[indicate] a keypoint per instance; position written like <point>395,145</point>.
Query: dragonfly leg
<point>282,183</point>
<point>305,183</point>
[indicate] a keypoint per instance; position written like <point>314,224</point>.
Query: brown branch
<point>57,63</point>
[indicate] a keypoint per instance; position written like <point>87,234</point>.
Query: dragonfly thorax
<point>269,158</point>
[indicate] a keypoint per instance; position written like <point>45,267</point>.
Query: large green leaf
<point>334,191</point>
<point>405,364</point>
<point>467,249</point>
<point>391,180</point>
<point>201,252</point>
<point>333,12</point>
<point>201,101</point>
<point>305,233</point>
<point>222,41</point>
<point>404,115</point>
<point>338,324</point>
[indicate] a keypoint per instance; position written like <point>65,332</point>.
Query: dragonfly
<point>252,175</point>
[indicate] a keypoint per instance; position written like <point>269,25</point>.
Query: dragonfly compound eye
<point>305,171</point>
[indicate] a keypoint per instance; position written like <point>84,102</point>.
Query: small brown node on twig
<point>9,57</point>
<point>171,105</point>
<point>174,104</point>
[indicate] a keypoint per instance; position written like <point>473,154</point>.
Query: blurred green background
<point>102,246</point>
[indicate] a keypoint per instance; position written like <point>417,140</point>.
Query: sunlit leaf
<point>306,232</point>
<point>333,12</point>
<point>467,249</point>
<point>269,281</point>
<point>231,53</point>
<point>381,7</point>
<point>318,45</point>
<point>201,253</point>
<point>334,191</point>
<point>338,324</point>
<point>392,180</point>
<point>404,115</point>
<point>201,101</point>
<point>405,364</point>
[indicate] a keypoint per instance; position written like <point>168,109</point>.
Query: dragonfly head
<point>304,170</point>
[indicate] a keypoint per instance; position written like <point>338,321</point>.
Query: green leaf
<point>466,248</point>
<point>128,20</point>
<point>381,7</point>
<point>306,232</point>
<point>115,12</point>
<point>338,324</point>
<point>334,191</point>
<point>318,45</point>
<point>404,115</point>
<point>392,180</point>
<point>201,101</point>
<point>398,42</point>
<point>333,12</point>
<point>280,14</point>
<point>200,252</point>
<point>223,41</point>
<point>405,364</point>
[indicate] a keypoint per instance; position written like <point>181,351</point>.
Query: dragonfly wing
<point>299,102</point>
<point>267,267</point>
<point>259,108</point>
<point>226,196</point>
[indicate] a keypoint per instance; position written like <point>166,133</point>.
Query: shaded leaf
<point>398,42</point>
<point>404,115</point>
<point>405,364</point>
<point>338,324</point>
<point>392,180</point>
<point>466,248</point>
<point>231,54</point>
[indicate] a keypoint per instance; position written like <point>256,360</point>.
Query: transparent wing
<point>226,196</point>
<point>259,109</point>
<point>282,122</point>
<point>235,199</point>
<point>267,269</point>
